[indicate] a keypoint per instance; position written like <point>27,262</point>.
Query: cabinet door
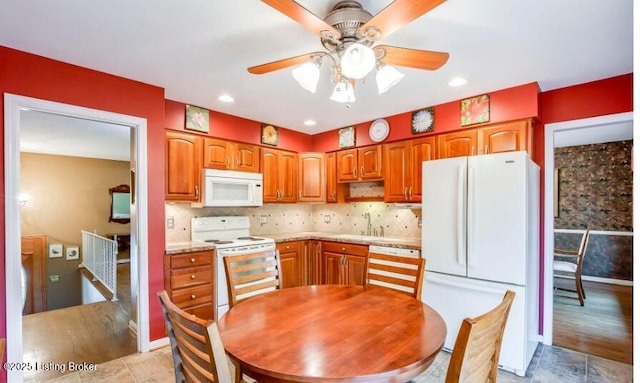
<point>332,180</point>
<point>217,154</point>
<point>311,177</point>
<point>421,149</point>
<point>247,158</point>
<point>290,263</point>
<point>354,270</point>
<point>458,144</point>
<point>509,137</point>
<point>347,164</point>
<point>288,173</point>
<point>396,172</point>
<point>333,267</point>
<point>312,265</point>
<point>270,180</point>
<point>370,162</point>
<point>183,163</point>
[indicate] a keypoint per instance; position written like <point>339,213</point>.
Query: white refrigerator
<point>480,237</point>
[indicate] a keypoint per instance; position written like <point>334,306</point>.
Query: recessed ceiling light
<point>226,98</point>
<point>458,81</point>
<point>310,123</point>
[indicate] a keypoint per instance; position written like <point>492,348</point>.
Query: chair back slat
<point>397,272</point>
<point>252,274</point>
<point>196,346</point>
<point>477,349</point>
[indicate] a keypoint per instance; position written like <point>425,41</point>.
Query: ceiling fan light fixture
<point>387,77</point>
<point>343,92</point>
<point>307,75</point>
<point>357,61</point>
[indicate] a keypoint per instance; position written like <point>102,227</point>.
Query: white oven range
<point>230,236</point>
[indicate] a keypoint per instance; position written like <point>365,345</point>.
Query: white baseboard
<point>158,343</point>
<point>611,281</point>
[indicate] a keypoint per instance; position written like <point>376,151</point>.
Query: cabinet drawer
<point>345,248</point>
<point>289,246</point>
<point>197,258</point>
<point>193,296</point>
<point>191,276</point>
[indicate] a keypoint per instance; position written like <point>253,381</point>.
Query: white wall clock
<point>379,130</point>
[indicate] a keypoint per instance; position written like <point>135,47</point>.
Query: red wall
<point>505,105</point>
<point>38,77</point>
<point>236,128</point>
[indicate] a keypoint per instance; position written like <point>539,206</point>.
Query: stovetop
<point>225,232</point>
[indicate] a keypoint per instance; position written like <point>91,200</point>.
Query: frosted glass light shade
<point>357,61</point>
<point>307,75</point>
<point>387,77</point>
<point>343,92</point>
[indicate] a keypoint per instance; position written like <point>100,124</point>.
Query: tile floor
<point>549,365</point>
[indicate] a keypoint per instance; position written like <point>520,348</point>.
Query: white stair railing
<point>99,256</point>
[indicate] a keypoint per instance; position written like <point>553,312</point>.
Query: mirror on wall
<point>120,204</point>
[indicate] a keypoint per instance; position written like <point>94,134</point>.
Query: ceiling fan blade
<point>413,58</point>
<point>398,14</point>
<point>284,63</point>
<point>301,15</point>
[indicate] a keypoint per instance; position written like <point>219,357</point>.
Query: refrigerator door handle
<point>460,233</point>
<point>470,214</point>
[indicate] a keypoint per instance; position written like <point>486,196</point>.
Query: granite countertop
<point>398,242</point>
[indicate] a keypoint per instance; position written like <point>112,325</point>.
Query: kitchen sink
<point>370,238</point>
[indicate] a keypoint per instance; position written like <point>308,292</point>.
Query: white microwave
<point>230,188</point>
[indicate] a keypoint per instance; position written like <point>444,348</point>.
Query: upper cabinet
<point>498,138</point>
<point>361,164</point>
<point>183,165</point>
<point>332,180</point>
<point>311,177</point>
<point>228,155</point>
<point>280,175</point>
<point>403,168</point>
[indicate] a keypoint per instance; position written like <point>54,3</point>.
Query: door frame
<point>13,105</point>
<point>549,165</point>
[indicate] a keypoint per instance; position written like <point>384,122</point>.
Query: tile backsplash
<point>288,218</point>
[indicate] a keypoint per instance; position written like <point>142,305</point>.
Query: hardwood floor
<point>602,327</point>
<point>93,333</point>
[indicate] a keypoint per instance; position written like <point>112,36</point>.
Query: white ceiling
<point>198,50</point>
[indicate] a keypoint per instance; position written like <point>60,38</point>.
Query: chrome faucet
<point>381,231</point>
<point>367,216</point>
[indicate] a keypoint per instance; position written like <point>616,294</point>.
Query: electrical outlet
<point>263,220</point>
<point>327,218</point>
<point>170,223</point>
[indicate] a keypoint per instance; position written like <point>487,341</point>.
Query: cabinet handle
<point>406,192</point>
<point>473,150</point>
<point>193,296</point>
<point>354,172</point>
<point>344,249</point>
<point>287,247</point>
<point>237,162</point>
<point>228,162</point>
<point>362,171</point>
<point>486,149</point>
<point>410,192</point>
<point>197,192</point>
<point>192,260</point>
<point>300,194</point>
<point>193,276</point>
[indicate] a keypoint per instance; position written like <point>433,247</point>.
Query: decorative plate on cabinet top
<point>379,130</point>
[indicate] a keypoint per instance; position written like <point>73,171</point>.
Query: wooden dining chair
<point>196,346</point>
<point>477,348</point>
<point>396,272</point>
<point>573,267</point>
<point>252,274</point>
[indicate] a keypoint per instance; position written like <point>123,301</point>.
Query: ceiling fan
<point>349,34</point>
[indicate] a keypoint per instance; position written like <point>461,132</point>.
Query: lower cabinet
<point>344,263</point>
<point>188,279</point>
<point>291,257</point>
<point>312,265</point>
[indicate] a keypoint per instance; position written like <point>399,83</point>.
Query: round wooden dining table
<point>332,333</point>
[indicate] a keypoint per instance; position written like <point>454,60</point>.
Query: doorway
<point>598,128</point>
<point>14,105</point>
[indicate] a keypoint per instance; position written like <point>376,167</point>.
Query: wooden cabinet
<point>183,154</point>
<point>332,179</point>
<point>344,263</point>
<point>229,155</point>
<point>311,177</point>
<point>507,137</point>
<point>188,279</point>
<point>280,175</point>
<point>498,138</point>
<point>291,259</point>
<point>361,164</point>
<point>403,168</point>
<point>458,144</point>
<point>312,265</point>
